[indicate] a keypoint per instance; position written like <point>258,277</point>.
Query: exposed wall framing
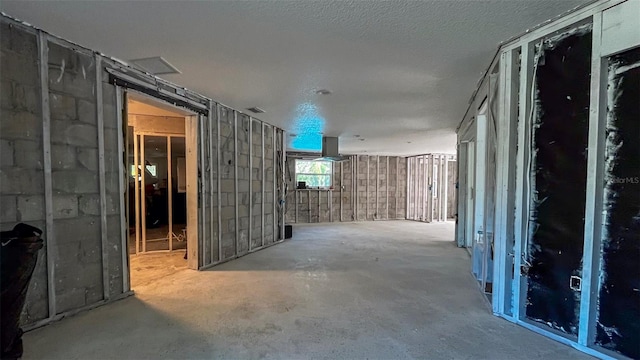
<point>430,178</point>
<point>63,170</point>
<point>583,325</point>
<point>365,188</point>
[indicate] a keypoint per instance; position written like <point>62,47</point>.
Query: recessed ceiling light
<point>356,136</point>
<point>361,139</point>
<point>156,65</point>
<point>323,92</point>
<point>255,110</point>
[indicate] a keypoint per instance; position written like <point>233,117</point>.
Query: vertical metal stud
<point>43,52</point>
<point>250,182</point>
<point>366,216</point>
<point>445,190</point>
<point>522,209</point>
<point>202,233</point>
<point>102,178</point>
<point>235,180</point>
<point>330,201</point>
<point>341,186</point>
<point>143,195</point>
<point>416,174</point>
<point>263,181</point>
<point>219,186</point>
<point>170,193</point>
<point>137,174</point>
<point>283,163</point>
<point>275,166</point>
<point>397,193</point>
<point>319,209</point>
<point>376,214</point>
<point>409,188</point>
<point>123,175</point>
<point>594,207</point>
<point>212,229</point>
<point>355,182</point>
<point>386,181</point>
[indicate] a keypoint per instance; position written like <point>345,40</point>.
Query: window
<point>315,173</point>
<point>151,169</point>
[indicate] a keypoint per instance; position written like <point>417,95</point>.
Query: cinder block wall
<point>60,170</point>
<point>249,153</point>
<point>86,253</point>
<point>365,188</point>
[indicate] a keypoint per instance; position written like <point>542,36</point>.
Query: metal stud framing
<point>263,182</point>
<point>250,232</point>
<point>122,176</point>
<point>512,172</point>
<point>275,197</point>
<point>212,192</point>
<point>283,164</point>
<point>201,188</point>
<point>219,186</point>
<point>43,51</point>
<point>425,202</point>
<point>235,180</point>
<point>102,178</point>
<point>206,142</point>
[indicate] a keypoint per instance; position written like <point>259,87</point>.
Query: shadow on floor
<point>126,329</point>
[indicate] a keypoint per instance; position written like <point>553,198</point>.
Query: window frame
<point>330,174</point>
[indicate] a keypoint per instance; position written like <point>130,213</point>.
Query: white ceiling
<point>401,72</point>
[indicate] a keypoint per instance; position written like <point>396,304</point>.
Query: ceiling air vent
<point>155,65</point>
<point>255,110</point>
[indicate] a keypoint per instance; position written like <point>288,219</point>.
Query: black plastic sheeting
<point>618,326</point>
<point>559,168</point>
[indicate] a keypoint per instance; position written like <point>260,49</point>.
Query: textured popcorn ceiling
<point>400,72</point>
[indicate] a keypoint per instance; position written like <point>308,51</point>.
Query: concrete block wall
<point>257,167</point>
<point>365,188</point>
<point>81,263</point>
<point>60,149</point>
<point>209,169</point>
<point>269,182</point>
<point>244,177</point>
<point>21,164</point>
<point>246,185</point>
<point>227,183</point>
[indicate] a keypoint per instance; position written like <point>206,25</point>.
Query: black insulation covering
<point>618,326</point>
<point>559,169</point>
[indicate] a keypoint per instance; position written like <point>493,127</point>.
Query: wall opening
<point>157,191</point>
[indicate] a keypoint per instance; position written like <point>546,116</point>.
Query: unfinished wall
<point>618,326</point>
<point>248,153</point>
<point>62,169</point>
<point>567,201</point>
<point>560,131</point>
<point>365,188</point>
<point>430,184</point>
<point>59,170</point>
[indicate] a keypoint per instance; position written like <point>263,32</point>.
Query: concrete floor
<point>376,290</point>
<point>148,268</point>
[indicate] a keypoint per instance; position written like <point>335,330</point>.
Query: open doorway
<point>158,208</point>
